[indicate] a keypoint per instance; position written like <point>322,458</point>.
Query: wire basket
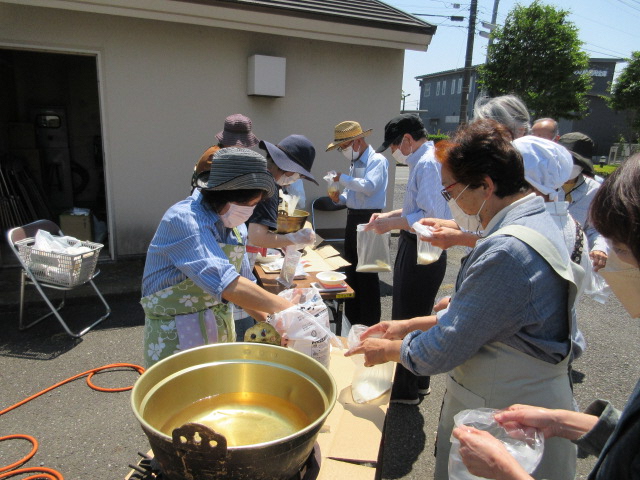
<point>66,270</point>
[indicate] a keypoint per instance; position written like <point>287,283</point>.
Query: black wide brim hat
<point>294,153</point>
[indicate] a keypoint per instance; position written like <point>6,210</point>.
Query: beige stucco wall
<point>166,89</point>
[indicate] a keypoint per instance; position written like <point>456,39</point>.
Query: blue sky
<point>608,29</point>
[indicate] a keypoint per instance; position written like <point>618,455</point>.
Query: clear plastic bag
<point>305,326</point>
<point>597,288</point>
<point>289,265</point>
<point>373,250</point>
<point>333,187</point>
<point>427,253</point>
<point>368,382</point>
<point>526,444</point>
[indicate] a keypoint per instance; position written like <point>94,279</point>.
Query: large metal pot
<point>166,394</point>
<point>291,223</point>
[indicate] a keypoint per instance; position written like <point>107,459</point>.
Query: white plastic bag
<point>46,242</point>
<point>306,325</point>
<point>597,288</point>
<point>368,382</point>
<point>427,253</point>
<point>526,444</point>
<point>373,250</point>
<point>333,187</point>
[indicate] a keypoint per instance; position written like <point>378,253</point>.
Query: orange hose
<point>48,473</point>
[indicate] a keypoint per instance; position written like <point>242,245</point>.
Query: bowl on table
<point>331,278</point>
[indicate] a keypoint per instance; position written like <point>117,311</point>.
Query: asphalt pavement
<point>87,434</point>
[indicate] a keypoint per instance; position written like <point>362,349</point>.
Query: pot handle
<point>209,442</point>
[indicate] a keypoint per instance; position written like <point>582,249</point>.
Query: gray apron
<point>498,376</point>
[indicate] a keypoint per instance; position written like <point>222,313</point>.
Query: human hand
<point>380,224</point>
<point>303,237</point>
<point>543,419</point>
<point>388,330</point>
<point>374,350</point>
<point>598,259</point>
<point>442,304</point>
<point>485,456</point>
<point>337,177</point>
<point>446,237</point>
<point>334,195</point>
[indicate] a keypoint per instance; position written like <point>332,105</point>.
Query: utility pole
<point>464,101</point>
<point>494,19</point>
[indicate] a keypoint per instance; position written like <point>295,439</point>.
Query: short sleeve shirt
<point>266,212</point>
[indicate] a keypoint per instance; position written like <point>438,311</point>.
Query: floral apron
<point>498,376</point>
<point>185,316</point>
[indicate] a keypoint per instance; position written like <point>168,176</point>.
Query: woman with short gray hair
<point>508,110</point>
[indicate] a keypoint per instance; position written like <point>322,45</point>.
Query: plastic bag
<point>46,242</point>
<point>288,203</point>
<point>597,288</point>
<point>305,326</point>
<point>289,265</point>
<point>373,250</point>
<point>526,444</point>
<point>427,253</point>
<point>368,382</point>
<point>334,187</point>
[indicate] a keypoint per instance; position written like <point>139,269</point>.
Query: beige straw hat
<point>345,132</point>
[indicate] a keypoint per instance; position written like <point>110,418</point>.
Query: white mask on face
<point>575,171</point>
<point>624,280</point>
<point>465,221</point>
<point>399,156</point>
<point>236,215</point>
<point>284,180</point>
<point>349,153</point>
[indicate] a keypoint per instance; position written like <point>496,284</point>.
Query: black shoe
<point>405,395</point>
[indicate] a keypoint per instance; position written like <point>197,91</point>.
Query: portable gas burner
<point>148,468</point>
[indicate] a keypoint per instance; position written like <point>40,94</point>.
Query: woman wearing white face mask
<point>601,430</point>
<point>288,161</point>
<point>196,262</point>
<point>506,336</point>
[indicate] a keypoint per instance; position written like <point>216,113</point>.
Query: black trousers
<point>365,308</point>
<point>414,293</point>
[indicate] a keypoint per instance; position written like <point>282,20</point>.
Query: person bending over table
<point>196,262</point>
<point>506,336</point>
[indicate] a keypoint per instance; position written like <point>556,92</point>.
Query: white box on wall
<point>267,76</point>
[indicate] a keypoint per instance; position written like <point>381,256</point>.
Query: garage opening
<point>51,154</point>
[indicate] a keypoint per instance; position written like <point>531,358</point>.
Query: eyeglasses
<point>341,148</point>
<point>445,192</point>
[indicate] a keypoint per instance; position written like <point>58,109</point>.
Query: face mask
<point>471,223</point>
<point>284,180</point>
<point>236,215</point>
<point>348,153</point>
<point>575,171</point>
<point>624,280</point>
<point>399,156</point>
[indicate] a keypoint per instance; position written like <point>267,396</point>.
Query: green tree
<point>537,55</point>
<point>625,93</point>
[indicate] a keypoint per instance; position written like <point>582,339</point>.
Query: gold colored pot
<point>291,223</point>
<point>233,411</point>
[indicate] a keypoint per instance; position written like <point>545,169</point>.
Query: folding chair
<point>28,277</point>
<point>325,204</point>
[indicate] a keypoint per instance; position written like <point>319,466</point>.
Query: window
<point>460,85</point>
<point>444,87</point>
<point>453,86</point>
<point>427,90</point>
<point>437,89</point>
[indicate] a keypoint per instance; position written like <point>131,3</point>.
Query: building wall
<point>440,95</point>
<point>166,88</point>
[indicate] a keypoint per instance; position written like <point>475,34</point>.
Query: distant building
<point>440,95</point>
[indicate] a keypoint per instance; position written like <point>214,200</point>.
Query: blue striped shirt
<point>422,198</point>
<point>366,184</point>
<point>186,244</point>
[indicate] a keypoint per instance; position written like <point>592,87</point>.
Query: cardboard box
<point>78,226</point>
